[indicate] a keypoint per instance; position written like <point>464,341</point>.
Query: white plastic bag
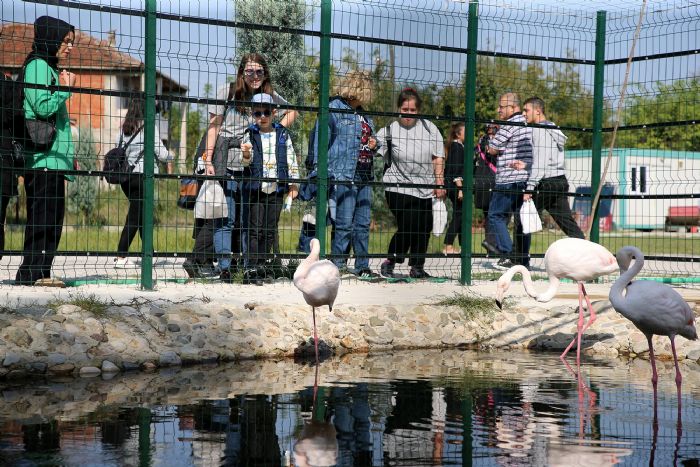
<point>439,216</point>
<point>529,218</point>
<point>211,201</point>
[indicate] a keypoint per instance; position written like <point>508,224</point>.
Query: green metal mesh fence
<point>344,76</point>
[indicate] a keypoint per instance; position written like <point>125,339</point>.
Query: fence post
<point>149,146</point>
<point>324,71</point>
<point>469,127</point>
<point>597,143</point>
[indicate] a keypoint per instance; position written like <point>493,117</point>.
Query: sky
<point>196,54</point>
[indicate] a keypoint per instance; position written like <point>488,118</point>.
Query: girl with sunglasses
<point>227,124</point>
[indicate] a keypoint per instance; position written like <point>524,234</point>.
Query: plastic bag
<point>211,201</point>
<point>439,216</point>
<point>529,218</point>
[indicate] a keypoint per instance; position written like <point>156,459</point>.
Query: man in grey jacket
<point>547,175</point>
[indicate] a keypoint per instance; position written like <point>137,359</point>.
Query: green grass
<point>90,303</point>
<point>173,230</point>
<point>473,306</point>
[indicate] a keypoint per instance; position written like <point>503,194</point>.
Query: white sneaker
<point>123,263</point>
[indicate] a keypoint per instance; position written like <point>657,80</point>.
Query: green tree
<point>284,51</point>
<point>81,196</point>
<point>677,101</point>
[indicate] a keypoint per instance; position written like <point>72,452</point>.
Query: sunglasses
<point>257,73</point>
<point>260,113</point>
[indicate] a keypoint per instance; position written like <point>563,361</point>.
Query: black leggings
<point>133,189</point>
<point>414,221</point>
<point>46,205</point>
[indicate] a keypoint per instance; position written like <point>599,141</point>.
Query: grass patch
<point>90,303</point>
<point>473,306</point>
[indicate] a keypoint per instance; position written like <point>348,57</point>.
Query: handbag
<point>439,216</point>
<point>529,218</point>
<point>41,133</point>
<point>189,187</point>
<point>211,201</point>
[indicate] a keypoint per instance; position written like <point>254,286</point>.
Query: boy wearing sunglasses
<point>269,162</point>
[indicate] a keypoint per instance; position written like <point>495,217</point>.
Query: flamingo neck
<point>527,278</point>
<point>551,291</point>
<point>627,276</point>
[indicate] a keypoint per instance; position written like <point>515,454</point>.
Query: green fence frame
<point>326,35</point>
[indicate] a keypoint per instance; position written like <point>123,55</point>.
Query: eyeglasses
<point>505,106</point>
<point>260,113</point>
<point>259,73</point>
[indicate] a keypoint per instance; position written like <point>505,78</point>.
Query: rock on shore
<point>73,341</point>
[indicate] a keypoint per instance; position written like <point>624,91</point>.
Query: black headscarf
<point>49,33</point>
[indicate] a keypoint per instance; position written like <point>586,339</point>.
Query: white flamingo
<point>567,258</point>
<point>318,282</point>
<point>654,308</point>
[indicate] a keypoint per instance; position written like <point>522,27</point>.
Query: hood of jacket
<point>556,135</point>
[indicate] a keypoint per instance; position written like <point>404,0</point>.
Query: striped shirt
<point>513,143</point>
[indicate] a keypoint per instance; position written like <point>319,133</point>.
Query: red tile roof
<point>89,53</point>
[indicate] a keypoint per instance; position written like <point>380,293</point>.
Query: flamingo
<point>568,258</point>
<point>318,281</point>
<point>654,308</point>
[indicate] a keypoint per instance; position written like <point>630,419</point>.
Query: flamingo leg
<point>654,374</point>
<point>591,311</point>
<point>679,378</point>
<point>313,311</point>
<point>579,328</point>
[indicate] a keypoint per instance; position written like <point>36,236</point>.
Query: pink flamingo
<point>318,281</point>
<point>567,258</point>
<point>654,308</point>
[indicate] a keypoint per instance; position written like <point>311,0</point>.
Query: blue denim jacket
<point>344,133</point>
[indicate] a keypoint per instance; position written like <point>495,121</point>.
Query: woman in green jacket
<point>53,40</point>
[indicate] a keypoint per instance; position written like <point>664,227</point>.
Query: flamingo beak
<point>499,304</point>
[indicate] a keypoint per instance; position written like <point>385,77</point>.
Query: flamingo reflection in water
<point>317,444</point>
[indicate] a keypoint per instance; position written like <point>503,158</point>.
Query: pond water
<point>412,408</point>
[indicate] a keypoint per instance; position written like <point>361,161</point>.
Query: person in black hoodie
<point>10,126</point>
<point>453,179</point>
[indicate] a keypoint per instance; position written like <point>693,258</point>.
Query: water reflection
<point>405,409</point>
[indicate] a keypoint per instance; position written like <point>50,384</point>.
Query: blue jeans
<point>223,227</point>
<point>352,218</point>
<point>504,204</point>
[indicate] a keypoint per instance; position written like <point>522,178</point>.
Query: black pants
<point>454,229</point>
<point>551,195</point>
<point>263,217</point>
<point>414,220</point>
<point>203,241</point>
<point>133,189</point>
<point>46,205</point>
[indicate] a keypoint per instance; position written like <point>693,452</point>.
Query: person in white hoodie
<point>547,175</point>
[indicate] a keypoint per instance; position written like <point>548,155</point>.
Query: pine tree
<point>81,195</point>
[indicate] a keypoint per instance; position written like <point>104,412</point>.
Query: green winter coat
<point>44,103</point>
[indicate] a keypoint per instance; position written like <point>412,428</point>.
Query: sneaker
<point>250,276</point>
<point>123,263</point>
<point>504,264</point>
<point>490,249</point>
<point>366,273</point>
<point>387,268</point>
<point>419,273</point>
<point>225,277</point>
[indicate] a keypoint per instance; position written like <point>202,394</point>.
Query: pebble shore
<point>69,340</point>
